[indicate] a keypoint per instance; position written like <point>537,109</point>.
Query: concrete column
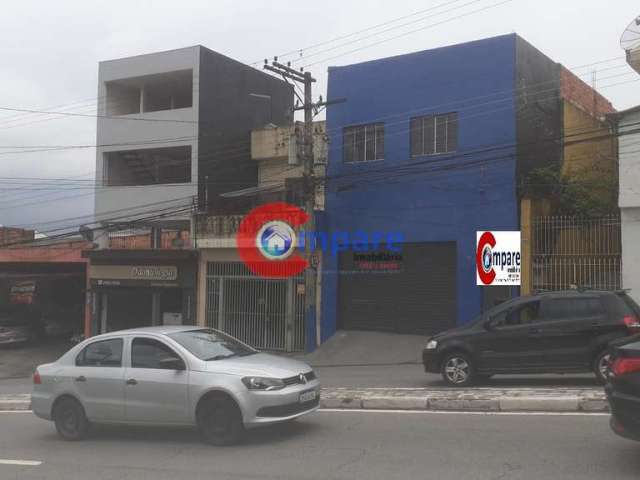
<point>88,302</point>
<point>156,318</point>
<point>142,99</point>
<point>526,240</point>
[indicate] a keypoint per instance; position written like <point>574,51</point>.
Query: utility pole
<point>309,183</point>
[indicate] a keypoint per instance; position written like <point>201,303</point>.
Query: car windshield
<point>210,345</point>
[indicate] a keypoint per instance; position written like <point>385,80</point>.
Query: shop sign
<point>22,292</point>
<point>154,272</point>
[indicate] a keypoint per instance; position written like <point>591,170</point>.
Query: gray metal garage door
<point>415,293</point>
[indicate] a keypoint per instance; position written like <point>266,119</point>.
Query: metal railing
<point>572,251</point>
<point>217,225</point>
<point>265,313</point>
<point>142,239</point>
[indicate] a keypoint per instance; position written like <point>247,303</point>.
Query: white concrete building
<point>629,199</point>
<point>628,128</point>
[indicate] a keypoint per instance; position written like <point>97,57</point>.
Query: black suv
<point>555,332</point>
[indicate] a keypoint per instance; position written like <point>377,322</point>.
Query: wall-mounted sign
<point>154,272</point>
<point>123,275</point>
<point>498,258</point>
<point>22,292</point>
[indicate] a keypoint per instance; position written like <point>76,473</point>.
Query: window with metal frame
<point>363,143</point>
<point>149,353</point>
<point>434,134</point>
<point>105,353</point>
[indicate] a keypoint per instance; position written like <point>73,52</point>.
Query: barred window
<point>363,143</point>
<point>434,134</point>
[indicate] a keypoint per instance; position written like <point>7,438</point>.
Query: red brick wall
<point>581,94</point>
<point>12,235</point>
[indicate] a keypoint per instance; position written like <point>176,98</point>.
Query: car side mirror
<point>172,363</point>
<point>488,325</point>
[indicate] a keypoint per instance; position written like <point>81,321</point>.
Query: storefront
<point>137,288</point>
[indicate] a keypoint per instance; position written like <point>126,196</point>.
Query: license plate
<point>307,396</point>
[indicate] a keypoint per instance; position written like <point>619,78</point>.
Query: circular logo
<point>276,240</point>
<point>486,258</point>
<point>267,243</point>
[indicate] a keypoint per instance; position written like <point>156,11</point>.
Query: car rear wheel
<point>601,366</point>
<point>70,419</point>
<point>458,370</point>
<point>220,421</point>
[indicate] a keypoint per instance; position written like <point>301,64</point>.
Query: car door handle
<point>132,381</point>
<point>81,378</point>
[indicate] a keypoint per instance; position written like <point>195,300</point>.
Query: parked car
<point>172,375</point>
<point>623,388</point>
<point>555,332</point>
<point>60,322</point>
<point>17,325</point>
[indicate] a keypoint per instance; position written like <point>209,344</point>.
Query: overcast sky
<point>50,53</point>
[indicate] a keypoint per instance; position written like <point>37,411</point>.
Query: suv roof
<point>590,291</point>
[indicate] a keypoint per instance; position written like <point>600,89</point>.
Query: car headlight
<point>263,383</point>
<point>432,345</point>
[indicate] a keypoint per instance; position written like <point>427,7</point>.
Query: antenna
<point>630,39</point>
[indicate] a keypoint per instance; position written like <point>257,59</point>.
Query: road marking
<point>16,411</point>
<point>451,412</point>
<point>23,463</point>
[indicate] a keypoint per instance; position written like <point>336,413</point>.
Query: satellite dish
<point>630,39</point>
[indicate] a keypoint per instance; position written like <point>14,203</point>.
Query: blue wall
<point>476,80</point>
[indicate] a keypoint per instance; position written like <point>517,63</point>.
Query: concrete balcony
<point>278,143</point>
<point>216,231</point>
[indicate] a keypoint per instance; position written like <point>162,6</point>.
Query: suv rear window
<point>560,308</point>
<point>629,305</point>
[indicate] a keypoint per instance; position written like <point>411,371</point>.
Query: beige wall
<point>586,159</point>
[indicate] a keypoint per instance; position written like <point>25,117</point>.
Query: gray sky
<point>50,53</point>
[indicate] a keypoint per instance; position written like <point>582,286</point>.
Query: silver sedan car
<point>172,376</point>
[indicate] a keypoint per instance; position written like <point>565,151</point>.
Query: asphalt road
<point>340,445</point>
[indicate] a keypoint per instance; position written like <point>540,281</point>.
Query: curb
<point>15,402</point>
<point>468,401</point>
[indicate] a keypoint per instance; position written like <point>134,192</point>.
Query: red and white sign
<point>498,258</point>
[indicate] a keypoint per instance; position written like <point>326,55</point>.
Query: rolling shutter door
<point>418,297</point>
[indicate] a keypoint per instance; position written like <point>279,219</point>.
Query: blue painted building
<point>432,145</point>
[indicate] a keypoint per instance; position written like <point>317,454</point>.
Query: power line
<point>342,37</point>
<point>409,32</point>
<point>71,114</point>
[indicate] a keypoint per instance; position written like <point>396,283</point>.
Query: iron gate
<point>265,313</point>
<point>580,252</point>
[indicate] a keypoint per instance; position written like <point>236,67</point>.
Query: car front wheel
<point>220,421</point>
<point>458,370</point>
<point>70,419</point>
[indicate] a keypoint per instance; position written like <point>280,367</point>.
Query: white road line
<point>447,412</point>
<point>16,411</point>
<point>23,463</point>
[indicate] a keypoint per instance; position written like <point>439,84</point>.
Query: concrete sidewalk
<point>443,399</point>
